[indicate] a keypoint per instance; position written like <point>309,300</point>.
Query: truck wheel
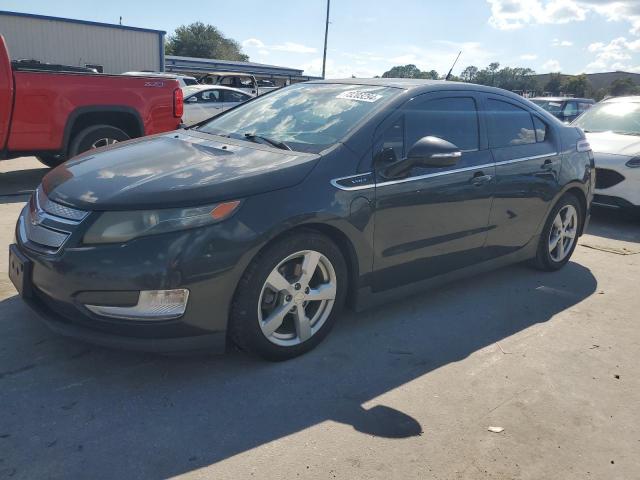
<point>50,160</point>
<point>96,136</point>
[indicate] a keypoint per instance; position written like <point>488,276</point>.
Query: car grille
<point>606,178</point>
<point>45,226</point>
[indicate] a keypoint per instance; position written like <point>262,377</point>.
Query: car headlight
<point>116,227</point>
<point>633,163</point>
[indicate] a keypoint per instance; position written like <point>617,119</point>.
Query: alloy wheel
<point>297,298</point>
<point>563,233</point>
<point>103,142</point>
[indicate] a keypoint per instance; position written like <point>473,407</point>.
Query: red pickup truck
<point>55,115</point>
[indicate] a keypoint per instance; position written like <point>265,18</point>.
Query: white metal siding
<point>55,41</point>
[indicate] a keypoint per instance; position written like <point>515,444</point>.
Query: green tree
<point>554,85</point>
<point>577,86</point>
<point>623,86</point>
<point>469,74</point>
<point>403,71</point>
<point>203,41</point>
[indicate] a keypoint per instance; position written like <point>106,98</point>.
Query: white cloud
<point>513,14</point>
<point>290,47</point>
<point>528,56</point>
<point>561,43</point>
<point>551,66</point>
<point>253,42</point>
<point>613,55</point>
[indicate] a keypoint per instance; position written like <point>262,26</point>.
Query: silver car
<point>204,101</point>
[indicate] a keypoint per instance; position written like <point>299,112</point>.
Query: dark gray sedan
<point>258,226</point>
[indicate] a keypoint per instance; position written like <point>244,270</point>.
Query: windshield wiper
<point>275,143</point>
<point>626,132</point>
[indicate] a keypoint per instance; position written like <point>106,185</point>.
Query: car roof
<point>563,99</point>
<point>630,98</point>
<point>191,89</point>
<point>419,85</point>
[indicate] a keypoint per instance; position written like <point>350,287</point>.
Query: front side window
<point>209,96</point>
<point>308,117</point>
<point>454,119</point>
<point>618,117</point>
<point>509,125</point>
<point>571,109</point>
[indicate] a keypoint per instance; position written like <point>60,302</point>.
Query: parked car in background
<point>241,81</point>
<point>202,102</point>
<point>613,130</point>
<point>258,225</point>
<point>183,80</point>
<point>563,108</point>
<point>55,115</point>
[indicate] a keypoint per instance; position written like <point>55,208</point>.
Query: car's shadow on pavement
<point>71,410</point>
<point>614,225</point>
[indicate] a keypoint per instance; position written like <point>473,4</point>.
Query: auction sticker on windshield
<point>360,95</point>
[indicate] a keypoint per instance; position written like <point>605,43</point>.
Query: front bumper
<point>205,261</point>
<point>210,343</point>
<point>617,185</point>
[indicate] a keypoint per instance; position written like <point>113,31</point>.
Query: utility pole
<point>326,34</point>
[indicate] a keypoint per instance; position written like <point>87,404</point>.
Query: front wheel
<point>289,297</point>
<point>560,234</point>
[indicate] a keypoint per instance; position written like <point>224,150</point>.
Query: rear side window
<point>453,119</point>
<point>235,97</point>
<point>509,125</point>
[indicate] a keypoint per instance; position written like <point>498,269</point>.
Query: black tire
<point>244,328</point>
<point>84,140</point>
<point>543,260</point>
<point>51,160</point>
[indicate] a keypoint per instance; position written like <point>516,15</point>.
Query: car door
<point>432,220</point>
<point>526,153</point>
<point>231,98</point>
<point>202,105</point>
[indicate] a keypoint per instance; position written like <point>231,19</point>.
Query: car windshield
<point>618,117</point>
<point>553,107</point>
<point>307,117</point>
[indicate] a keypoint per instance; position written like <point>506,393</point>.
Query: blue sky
<point>368,37</point>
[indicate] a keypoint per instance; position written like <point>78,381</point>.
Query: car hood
<point>172,170</point>
<point>614,143</point>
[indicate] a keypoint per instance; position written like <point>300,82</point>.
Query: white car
<point>183,80</point>
<point>205,101</point>
<point>613,130</point>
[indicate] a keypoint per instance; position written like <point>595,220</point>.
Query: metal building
<point>109,48</point>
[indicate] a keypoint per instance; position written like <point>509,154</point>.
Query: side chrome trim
<point>524,159</point>
<point>335,181</point>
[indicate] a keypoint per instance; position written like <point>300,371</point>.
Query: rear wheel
<point>560,234</point>
<point>95,137</point>
<point>289,297</point>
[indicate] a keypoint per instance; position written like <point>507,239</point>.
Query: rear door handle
<point>479,178</point>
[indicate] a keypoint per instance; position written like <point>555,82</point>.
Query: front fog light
<point>152,305</point>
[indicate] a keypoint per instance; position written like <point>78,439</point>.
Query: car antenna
<point>454,64</point>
